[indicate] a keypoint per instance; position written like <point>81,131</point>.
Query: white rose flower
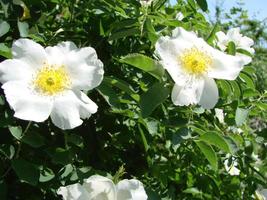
<point>179,16</point>
<point>145,2</point>
<point>220,115</point>
<point>41,82</point>
<point>235,129</point>
<point>240,41</point>
<point>261,194</point>
<point>130,190</point>
<point>231,168</point>
<point>193,64</point>
<point>101,188</point>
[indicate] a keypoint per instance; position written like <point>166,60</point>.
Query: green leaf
<point>192,5</point>
<point>109,95</point>
<point>157,4</point>
<point>127,113</point>
<point>144,63</point>
<point>7,150</point>
<point>101,28</point>
<point>152,98</point>
<point>26,171</point>
<point>249,70</point>
<point>236,89</point>
<point>209,153</point>
<point>180,136</point>
<point>66,171</point>
<point>124,33</point>
<point>245,52</point>
<point>261,105</point>
<point>37,38</point>
<point>75,139</point>
<point>212,35</point>
<point>23,29</point>
<point>193,191</point>
<point>241,116</point>
<point>231,48</point>
<point>5,51</point>
<point>150,31</point>
<point>2,100</point>
<point>46,175</point>
<point>33,139</point>
<point>248,80</point>
<point>226,87</point>
<point>202,4</point>
<point>143,137</point>
<point>250,93</point>
<point>152,126</point>
<point>127,23</point>
<point>232,143</point>
<point>214,138</point>
<point>4,28</point>
<point>61,156</point>
<point>124,86</point>
<point>16,131</point>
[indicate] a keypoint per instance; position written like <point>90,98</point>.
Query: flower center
<point>195,61</point>
<point>51,80</point>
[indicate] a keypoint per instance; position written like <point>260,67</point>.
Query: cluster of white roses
<point>41,82</point>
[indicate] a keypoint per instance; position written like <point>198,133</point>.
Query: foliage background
<point>177,152</point>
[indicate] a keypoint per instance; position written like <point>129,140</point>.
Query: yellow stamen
<point>195,61</point>
<point>51,80</point>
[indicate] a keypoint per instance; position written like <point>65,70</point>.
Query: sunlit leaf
<point>217,140</point>
<point>144,63</point>
<point>152,98</point>
<point>241,115</point>
<point>202,4</point>
<point>209,153</point>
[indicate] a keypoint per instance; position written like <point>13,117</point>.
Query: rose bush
<point>178,105</point>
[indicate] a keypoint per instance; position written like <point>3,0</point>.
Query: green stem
<point>66,140</point>
<point>18,151</point>
<point>27,128</point>
<point>6,173</point>
<point>143,137</point>
<point>22,135</point>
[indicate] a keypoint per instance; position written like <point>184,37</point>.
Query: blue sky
<point>256,8</point>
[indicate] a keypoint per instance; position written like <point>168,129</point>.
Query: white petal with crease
<point>30,52</point>
<point>187,94</point>
<point>73,192</point>
<point>69,108</point>
<point>131,190</point>
<point>100,188</point>
<point>14,69</point>
<point>27,104</point>
<point>225,66</point>
<point>85,69</point>
<point>210,94</point>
